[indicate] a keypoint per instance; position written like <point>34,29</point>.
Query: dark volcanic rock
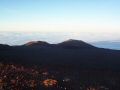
<point>37,43</point>
<point>75,44</point>
<point>78,54</point>
<point>4,47</point>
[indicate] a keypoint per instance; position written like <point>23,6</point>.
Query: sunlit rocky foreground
<point>21,77</point>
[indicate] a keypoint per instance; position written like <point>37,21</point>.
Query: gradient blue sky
<point>60,15</point>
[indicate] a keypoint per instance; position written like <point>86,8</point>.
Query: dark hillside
<point>72,53</point>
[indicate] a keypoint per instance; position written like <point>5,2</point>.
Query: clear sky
<point>60,15</point>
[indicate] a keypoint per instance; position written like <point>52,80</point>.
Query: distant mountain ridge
<point>73,53</point>
<point>71,43</point>
<point>36,43</point>
<point>75,44</point>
